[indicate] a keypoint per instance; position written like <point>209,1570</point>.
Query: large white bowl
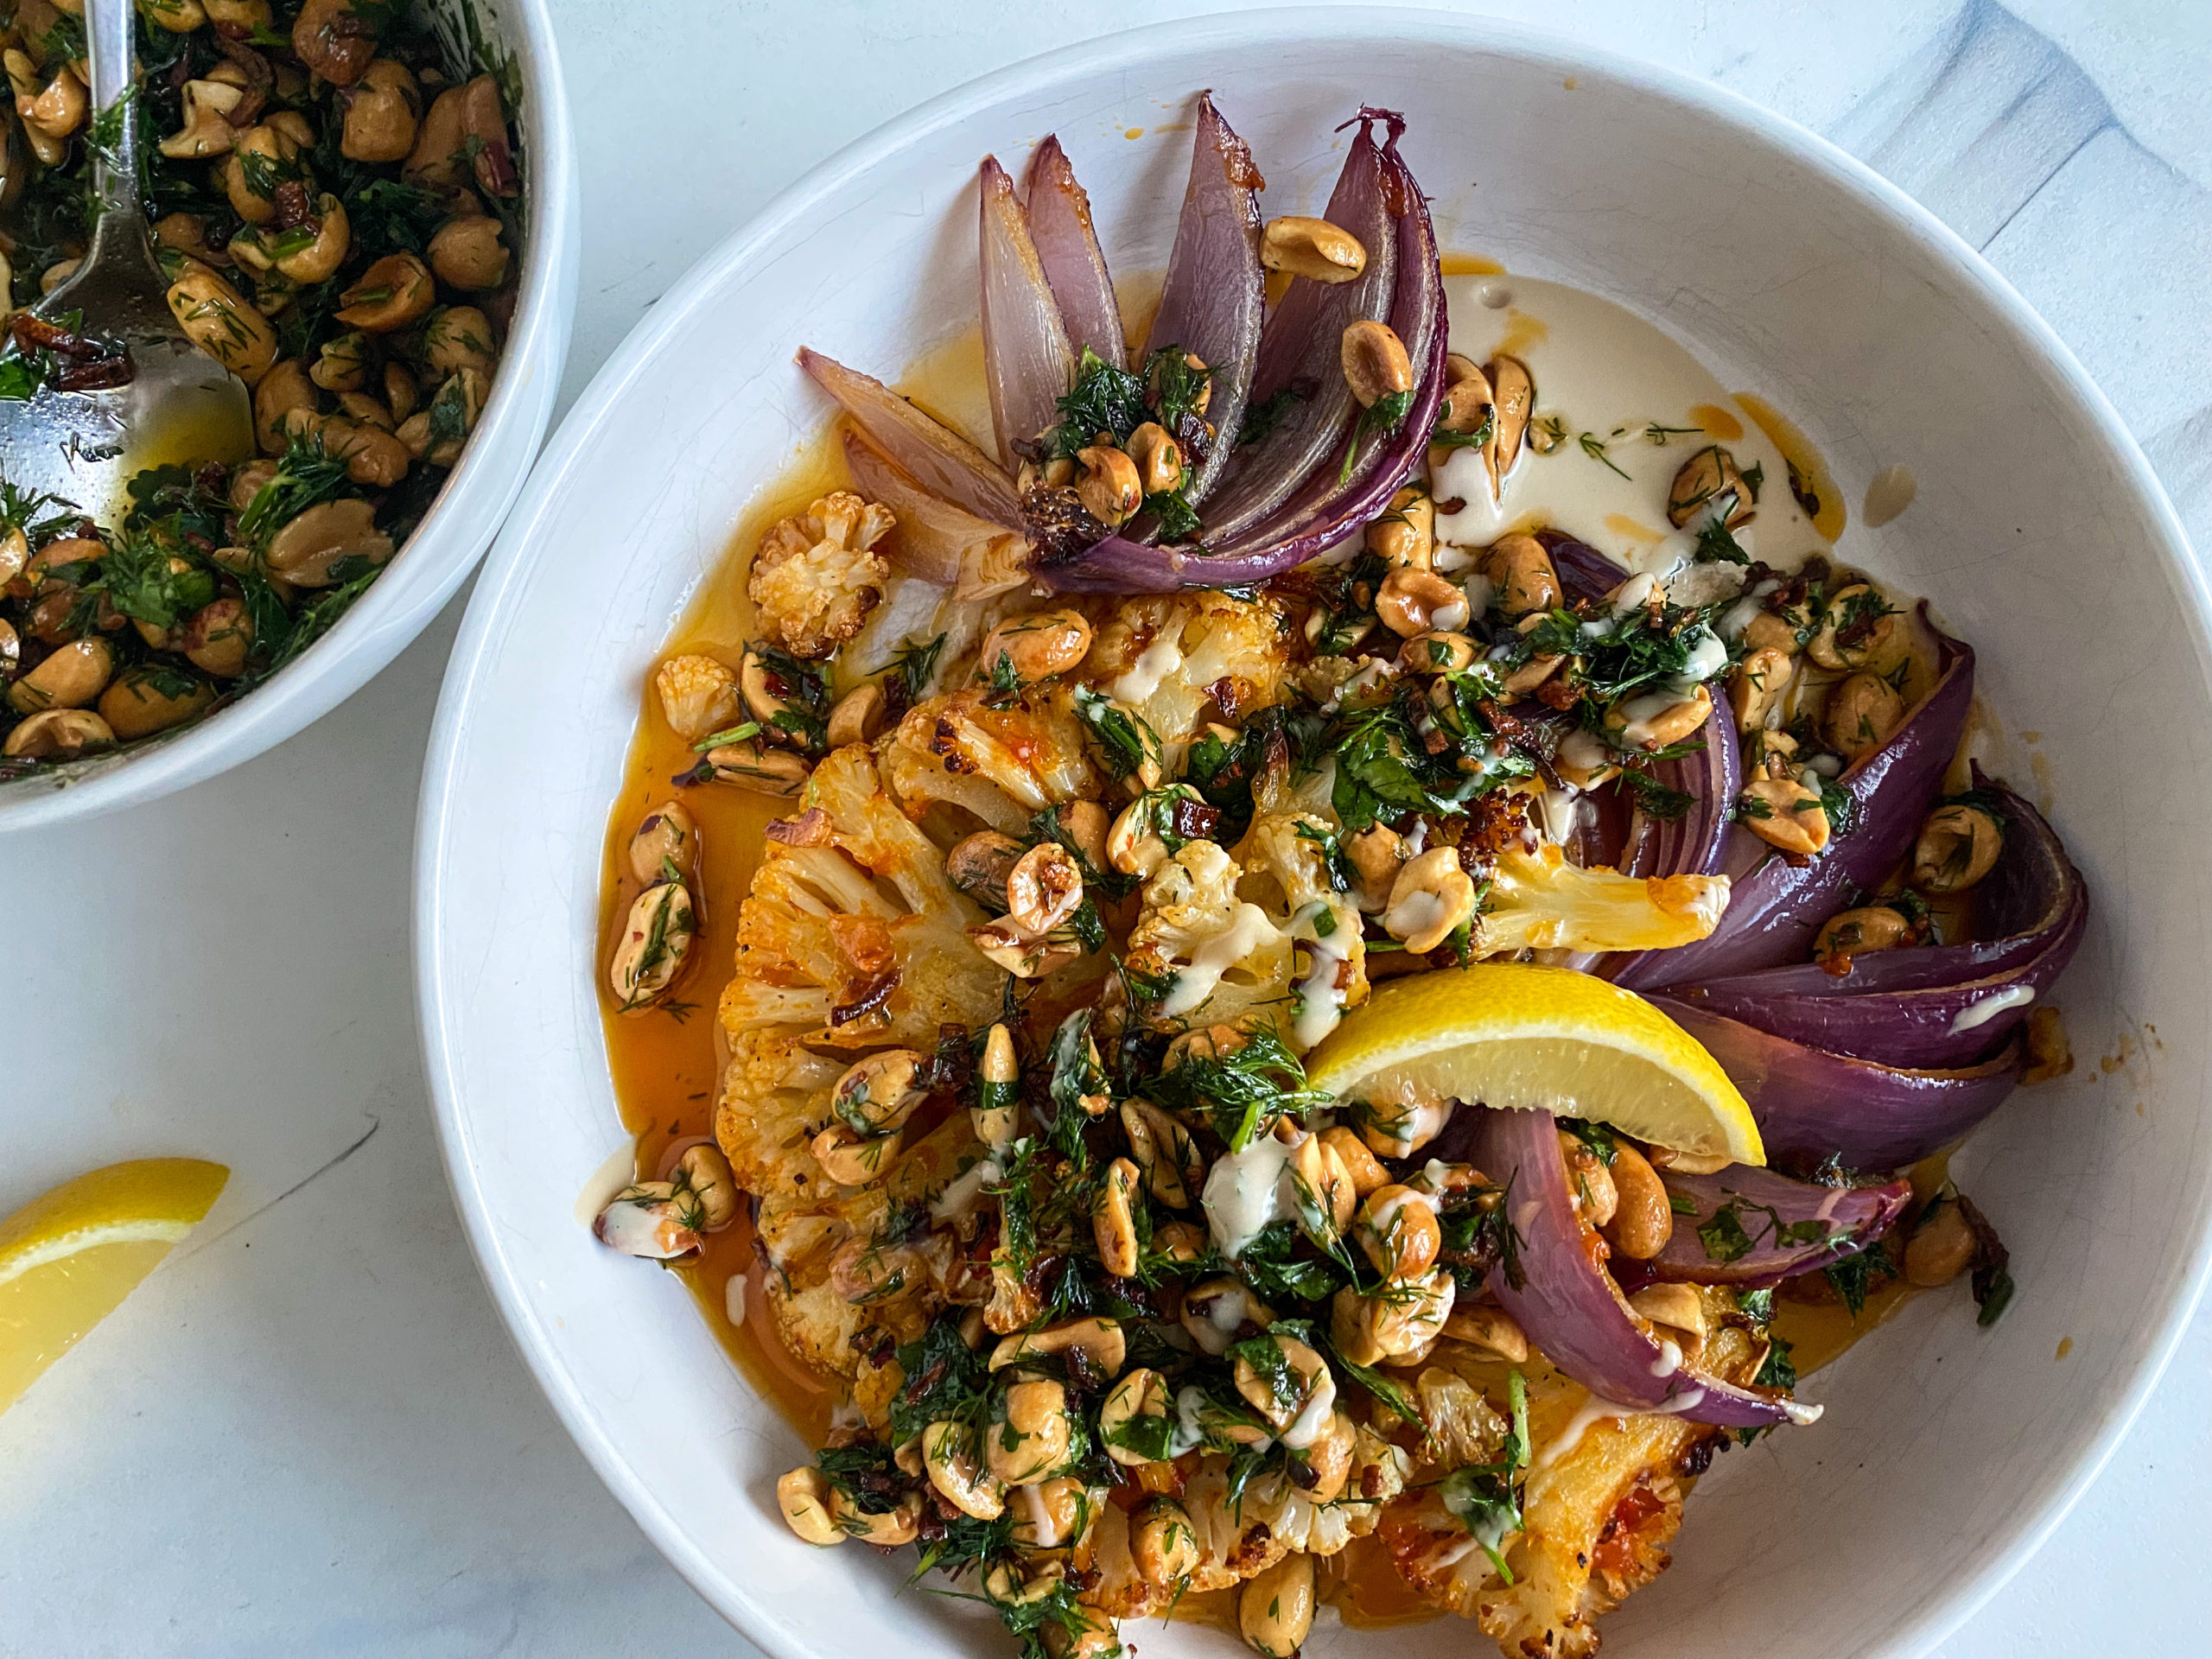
<point>1947,1451</point>
<point>453,535</point>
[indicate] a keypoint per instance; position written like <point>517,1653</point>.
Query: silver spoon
<point>179,404</point>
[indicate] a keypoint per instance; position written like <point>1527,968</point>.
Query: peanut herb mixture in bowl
<point>1352,947</point>
<point>337,203</point>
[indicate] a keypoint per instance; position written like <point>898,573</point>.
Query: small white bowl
<point>1947,1452</point>
<point>461,523</point>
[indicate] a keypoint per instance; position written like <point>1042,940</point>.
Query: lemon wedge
<point>68,1258</point>
<point>1515,1036</point>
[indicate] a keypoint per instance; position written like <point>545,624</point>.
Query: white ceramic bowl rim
<point>1997,1554</point>
<point>462,519</point>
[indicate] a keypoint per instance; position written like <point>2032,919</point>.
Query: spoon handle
<point>110,40</point>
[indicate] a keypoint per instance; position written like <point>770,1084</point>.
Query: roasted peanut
<point>1034,647</point>
<point>1643,1217</point>
<point>1861,713</point>
<point>1109,486</point>
<point>1522,572</point>
<point>1958,846</point>
<point>1313,248</point>
<point>1374,362</point>
<point>1710,478</point>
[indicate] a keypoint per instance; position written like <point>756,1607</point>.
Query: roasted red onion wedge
<point>1569,1305</point>
<point>933,539</point>
<point>1301,354</point>
<point>1583,571</point>
<point>1417,317</point>
<point>1774,911</point>
<point>1331,506</point>
<point>1074,265</point>
<point>932,455</point>
<point>1027,361</point>
<point>1941,1007</point>
<point>1215,299</point>
<point>1751,1227</point>
<point>1813,1105</point>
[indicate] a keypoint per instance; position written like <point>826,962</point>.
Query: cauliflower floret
<point>814,579</point>
<point>771,1106</point>
<point>844,1259</point>
<point>853,938</point>
<point>860,940</point>
<point>1234,1541</point>
<point>1205,947</point>
<point>1001,764</point>
<point>1379,1471</point>
<point>1594,1524</point>
<point>1168,659</point>
<point>1540,901</point>
<point>698,694</point>
<point>1267,931</point>
<point>1598,1509</point>
<point>1285,858</point>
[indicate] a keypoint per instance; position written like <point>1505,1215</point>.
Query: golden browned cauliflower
<point>1218,937</point>
<point>1540,901</point>
<point>1002,763</point>
<point>698,694</point>
<point>1233,1541</point>
<point>858,941</point>
<point>1601,1500</point>
<point>1168,660</point>
<point>844,1259</point>
<point>1212,956</point>
<point>815,577</point>
<point>851,936</point>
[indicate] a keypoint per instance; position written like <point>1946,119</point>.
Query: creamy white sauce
<point>1039,1515</point>
<point>1312,1421</point>
<point>1249,929</point>
<point>1188,1436</point>
<point>1585,751</point>
<point>1597,368</point>
<point>1157,661</point>
<point>1415,914</point>
<point>1889,492</point>
<point>1561,809</point>
<point>1708,656</point>
<point>1597,1408</point>
<point>1642,713</point>
<point>1745,611</point>
<point>958,1200</point>
<point>1449,617</point>
<point>1246,1191</point>
<point>1669,1360</point>
<point>1978,1014</point>
<point>609,1178</point>
<point>1464,477</point>
<point>1320,1001</point>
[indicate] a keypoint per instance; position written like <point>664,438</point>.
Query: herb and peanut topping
<point>337,203</point>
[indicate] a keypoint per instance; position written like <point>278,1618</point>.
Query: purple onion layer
<point>1569,1303</point>
<point>1812,1105</point>
<point>1214,300</point>
<point>1073,262</point>
<point>1774,911</point>
<point>1780,1227</point>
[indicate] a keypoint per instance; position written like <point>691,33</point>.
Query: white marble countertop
<point>308,1433</point>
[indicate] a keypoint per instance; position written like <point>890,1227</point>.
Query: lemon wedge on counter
<point>68,1258</point>
<point>1511,1035</point>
